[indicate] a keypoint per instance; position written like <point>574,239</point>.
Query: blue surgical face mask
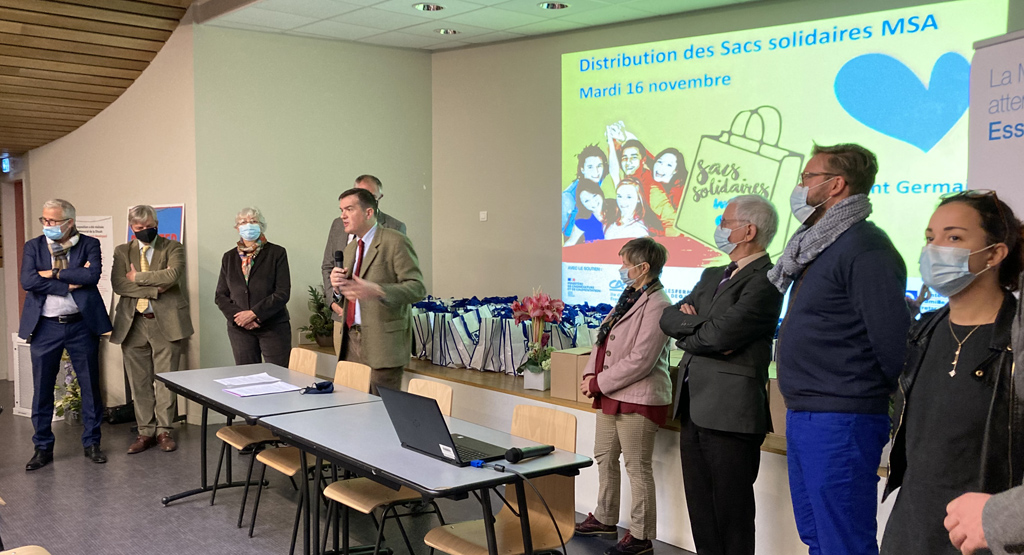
<point>53,232</point>
<point>249,232</point>
<point>624,276</point>
<point>722,235</point>
<point>946,270</point>
<point>798,201</point>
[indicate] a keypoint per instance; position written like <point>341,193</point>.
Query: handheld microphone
<point>339,259</point>
<point>517,454</point>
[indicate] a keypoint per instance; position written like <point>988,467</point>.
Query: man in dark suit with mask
<point>726,325</point>
<point>63,310</point>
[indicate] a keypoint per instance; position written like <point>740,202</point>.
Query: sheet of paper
<point>247,380</point>
<point>263,389</point>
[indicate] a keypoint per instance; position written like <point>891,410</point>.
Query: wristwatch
<point>56,273</point>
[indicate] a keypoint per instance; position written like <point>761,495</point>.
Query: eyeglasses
<point>48,222</point>
<point>722,223</point>
<point>807,175</point>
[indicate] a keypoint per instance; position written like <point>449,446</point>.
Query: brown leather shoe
<point>141,444</point>
<point>166,442</point>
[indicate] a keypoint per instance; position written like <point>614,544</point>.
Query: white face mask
<point>946,270</point>
<point>624,276</point>
<point>722,241</point>
<point>798,201</point>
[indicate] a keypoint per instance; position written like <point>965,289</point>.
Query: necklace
<point>959,344</point>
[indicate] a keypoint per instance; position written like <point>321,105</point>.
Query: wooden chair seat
<point>468,538</point>
<point>244,435</point>
<point>27,550</point>
<point>546,426</point>
<point>365,495</point>
<point>285,460</point>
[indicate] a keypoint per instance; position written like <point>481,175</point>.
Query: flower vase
<point>72,418</point>
<point>324,340</point>
<point>534,377</point>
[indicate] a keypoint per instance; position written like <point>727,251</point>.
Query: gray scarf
<point>811,240</point>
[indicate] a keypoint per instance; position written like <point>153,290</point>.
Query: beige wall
<point>497,141</point>
<point>286,124</point>
<point>140,150</point>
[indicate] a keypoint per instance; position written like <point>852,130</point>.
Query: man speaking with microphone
<point>378,282</point>
<point>338,238</point>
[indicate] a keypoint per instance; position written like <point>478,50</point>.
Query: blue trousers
<point>48,343</point>
<point>833,479</point>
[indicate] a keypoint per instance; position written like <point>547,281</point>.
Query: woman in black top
<point>957,413</point>
<point>252,291</point>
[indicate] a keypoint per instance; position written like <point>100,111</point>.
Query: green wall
<point>285,124</point>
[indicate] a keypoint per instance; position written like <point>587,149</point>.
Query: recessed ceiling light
<point>446,31</point>
<point>427,7</point>
<point>552,6</point>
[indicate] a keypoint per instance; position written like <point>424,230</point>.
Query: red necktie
<point>350,311</point>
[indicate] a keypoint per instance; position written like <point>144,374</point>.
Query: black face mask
<point>146,235</point>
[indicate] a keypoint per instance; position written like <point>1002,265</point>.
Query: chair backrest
<point>550,427</point>
<point>302,360</point>
<point>435,390</point>
<point>545,425</point>
<point>352,375</point>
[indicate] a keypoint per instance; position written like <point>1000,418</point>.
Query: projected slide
<point>657,137</point>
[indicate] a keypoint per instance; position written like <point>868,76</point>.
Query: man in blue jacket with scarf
<point>840,350</point>
<point>63,310</point>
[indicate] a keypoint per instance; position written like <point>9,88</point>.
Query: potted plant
<point>321,326</point>
<point>539,309</point>
<point>69,406</point>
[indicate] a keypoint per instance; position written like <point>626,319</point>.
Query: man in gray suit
<point>726,325</point>
<point>151,323</point>
<point>338,239</point>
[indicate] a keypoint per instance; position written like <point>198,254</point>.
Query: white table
<point>199,386</point>
<point>362,439</point>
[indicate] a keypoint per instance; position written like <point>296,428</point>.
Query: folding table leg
<point>524,517</point>
<point>315,495</point>
<point>306,504</point>
<point>485,503</point>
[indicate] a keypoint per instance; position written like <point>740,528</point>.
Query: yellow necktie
<point>143,304</point>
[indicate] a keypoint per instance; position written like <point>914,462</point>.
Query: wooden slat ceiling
<point>64,61</point>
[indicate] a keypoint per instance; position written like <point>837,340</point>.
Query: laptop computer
<point>421,427</point>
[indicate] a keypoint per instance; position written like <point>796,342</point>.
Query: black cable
<point>505,501</point>
<point>503,468</point>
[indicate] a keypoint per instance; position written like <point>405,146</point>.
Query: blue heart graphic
<point>883,94</point>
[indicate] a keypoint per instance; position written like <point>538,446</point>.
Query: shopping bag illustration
<point>745,159</point>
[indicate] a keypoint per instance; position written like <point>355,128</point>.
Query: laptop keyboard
<point>467,454</point>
